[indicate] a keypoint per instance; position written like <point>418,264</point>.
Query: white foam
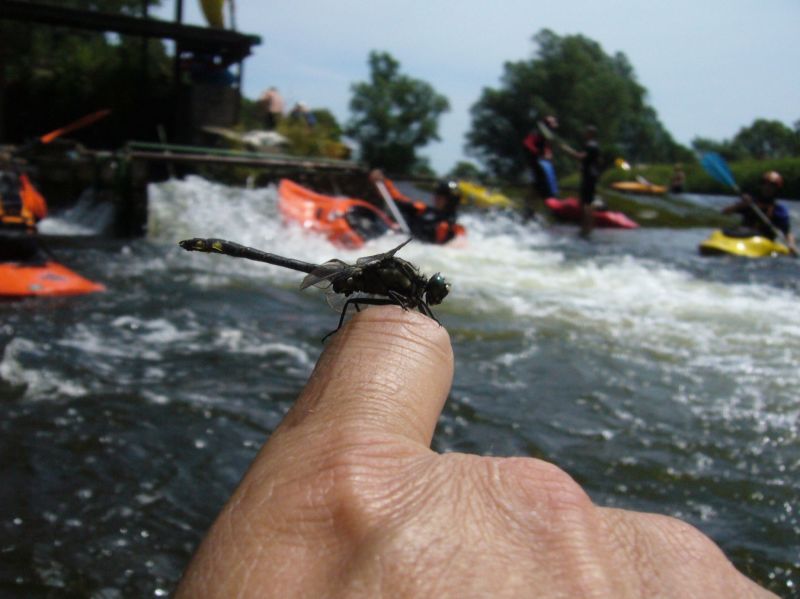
<point>643,309</point>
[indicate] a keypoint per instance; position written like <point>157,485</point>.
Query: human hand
<point>347,499</point>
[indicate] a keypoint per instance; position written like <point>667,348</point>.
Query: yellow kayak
<point>754,246</point>
<point>638,187</point>
<point>477,195</point>
<point>212,9</point>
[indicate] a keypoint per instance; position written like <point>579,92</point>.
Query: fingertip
<point>387,370</point>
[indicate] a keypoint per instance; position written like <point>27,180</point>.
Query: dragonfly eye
<point>436,289</point>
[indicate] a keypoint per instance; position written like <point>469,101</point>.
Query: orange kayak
<point>48,278</point>
<point>346,222</point>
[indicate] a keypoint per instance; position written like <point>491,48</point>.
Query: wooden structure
<point>208,98</point>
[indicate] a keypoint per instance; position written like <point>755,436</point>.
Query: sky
<point>710,66</point>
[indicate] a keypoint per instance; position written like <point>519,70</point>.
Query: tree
<point>701,145</point>
<point>573,78</point>
<point>465,170</point>
<point>763,139</point>
<point>393,115</point>
<point>767,139</point>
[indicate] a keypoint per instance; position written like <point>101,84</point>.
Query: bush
<point>747,174</point>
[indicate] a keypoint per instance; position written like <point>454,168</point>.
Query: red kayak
<point>19,280</point>
<point>569,210</point>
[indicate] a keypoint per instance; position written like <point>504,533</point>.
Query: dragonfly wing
<point>324,274</point>
<point>378,257</point>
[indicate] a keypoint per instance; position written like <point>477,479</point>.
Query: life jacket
<point>420,215</point>
<point>777,214</point>
<point>538,146</point>
<point>21,205</point>
<point>445,231</point>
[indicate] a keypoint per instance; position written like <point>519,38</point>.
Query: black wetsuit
<point>590,171</point>
<point>431,225</point>
<point>777,214</point>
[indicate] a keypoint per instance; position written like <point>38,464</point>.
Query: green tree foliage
<point>573,78</point>
<point>393,115</point>
<point>321,140</point>
<point>324,140</point>
<point>763,139</point>
<point>465,170</point>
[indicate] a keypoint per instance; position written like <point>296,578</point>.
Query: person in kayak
<point>540,157</point>
<point>433,224</point>
<point>438,224</point>
<point>21,207</point>
<point>589,157</point>
<point>678,182</point>
<point>762,214</point>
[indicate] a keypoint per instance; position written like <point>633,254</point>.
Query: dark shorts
<point>587,191</point>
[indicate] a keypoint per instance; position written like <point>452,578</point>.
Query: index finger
<point>387,371</point>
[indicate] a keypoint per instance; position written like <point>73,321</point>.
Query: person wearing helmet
<point>540,157</point>
<point>432,223</point>
<point>437,223</point>
<point>762,214</point>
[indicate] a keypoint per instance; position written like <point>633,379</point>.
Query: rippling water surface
<point>660,380</point>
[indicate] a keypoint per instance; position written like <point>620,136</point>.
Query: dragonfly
<point>380,279</point>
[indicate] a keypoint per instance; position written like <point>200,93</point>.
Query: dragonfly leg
<point>426,310</point>
<point>356,302</point>
<point>398,299</point>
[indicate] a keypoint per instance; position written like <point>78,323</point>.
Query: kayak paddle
<point>393,209</point>
<point>80,123</point>
<point>715,165</point>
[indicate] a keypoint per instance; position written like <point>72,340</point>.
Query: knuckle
<point>545,484</point>
<point>687,542</point>
<point>360,485</point>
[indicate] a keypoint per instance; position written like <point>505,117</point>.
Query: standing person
<point>763,214</point>
<point>540,157</point>
<point>589,158</point>
<point>272,104</point>
<point>302,112</point>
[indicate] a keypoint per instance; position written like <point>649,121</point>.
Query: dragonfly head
<point>436,289</point>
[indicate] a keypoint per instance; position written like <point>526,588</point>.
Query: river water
<point>660,380</point>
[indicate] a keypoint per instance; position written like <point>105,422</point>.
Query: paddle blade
<point>546,131</point>
<point>81,122</point>
<point>716,166</point>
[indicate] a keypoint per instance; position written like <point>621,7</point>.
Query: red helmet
<point>773,177</point>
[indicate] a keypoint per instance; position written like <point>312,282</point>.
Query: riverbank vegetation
<point>54,76</point>
<point>746,172</point>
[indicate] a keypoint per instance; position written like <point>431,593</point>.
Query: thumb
<point>387,371</point>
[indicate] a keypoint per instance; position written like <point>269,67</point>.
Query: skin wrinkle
<point>571,523</point>
<point>638,548</point>
<point>372,390</point>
